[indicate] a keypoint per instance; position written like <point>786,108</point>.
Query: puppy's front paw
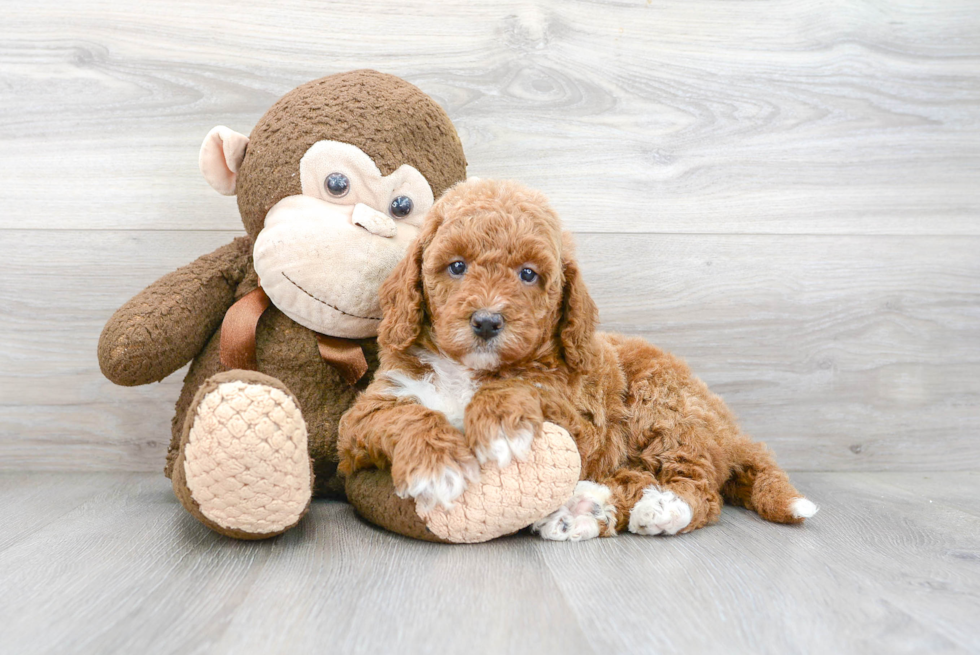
<point>437,488</point>
<point>501,427</point>
<point>659,512</point>
<point>506,446</point>
<point>433,474</point>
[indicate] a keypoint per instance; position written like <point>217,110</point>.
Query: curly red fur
<point>639,416</point>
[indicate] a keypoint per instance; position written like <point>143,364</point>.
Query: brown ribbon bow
<point>237,345</point>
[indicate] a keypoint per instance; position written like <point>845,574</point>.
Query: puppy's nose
<point>486,325</point>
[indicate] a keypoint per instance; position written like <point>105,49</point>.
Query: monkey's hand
<point>170,321</point>
<point>502,420</point>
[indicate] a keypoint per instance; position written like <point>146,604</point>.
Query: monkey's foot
<point>244,468</point>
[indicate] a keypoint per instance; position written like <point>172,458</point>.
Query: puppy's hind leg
<point>759,484</point>
<point>647,506</point>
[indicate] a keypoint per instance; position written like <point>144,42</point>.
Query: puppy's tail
<point>757,483</point>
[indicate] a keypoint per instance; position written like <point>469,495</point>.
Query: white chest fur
<point>447,389</point>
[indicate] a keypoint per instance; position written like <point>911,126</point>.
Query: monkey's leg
<point>243,466</point>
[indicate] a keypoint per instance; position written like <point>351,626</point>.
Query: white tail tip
<point>803,508</point>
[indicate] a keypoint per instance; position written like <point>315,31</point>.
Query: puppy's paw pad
<point>556,526</point>
<point>562,525</point>
<point>659,512</point>
<point>586,514</point>
<point>506,447</point>
<point>801,508</point>
<point>584,528</point>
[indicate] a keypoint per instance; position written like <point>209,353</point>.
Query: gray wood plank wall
<point>785,193</point>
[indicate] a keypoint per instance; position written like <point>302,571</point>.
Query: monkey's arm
<point>170,321</point>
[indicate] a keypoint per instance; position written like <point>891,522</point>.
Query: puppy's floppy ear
<point>579,314</point>
<point>401,295</point>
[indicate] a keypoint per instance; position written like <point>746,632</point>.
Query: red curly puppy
<point>489,330</point>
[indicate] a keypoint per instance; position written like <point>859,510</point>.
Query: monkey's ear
<point>579,314</point>
<point>222,154</point>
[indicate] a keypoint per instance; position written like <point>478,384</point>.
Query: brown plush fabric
<point>170,321</point>
<point>176,319</point>
<point>373,495</point>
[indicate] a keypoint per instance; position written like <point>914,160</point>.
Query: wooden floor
<point>110,563</point>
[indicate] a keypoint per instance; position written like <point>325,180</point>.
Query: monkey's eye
<point>528,276</point>
<point>337,185</point>
<point>457,268</point>
<point>401,206</point>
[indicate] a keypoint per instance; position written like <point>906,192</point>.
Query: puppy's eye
<point>457,268</point>
<point>528,276</point>
<point>337,185</point>
<point>401,207</point>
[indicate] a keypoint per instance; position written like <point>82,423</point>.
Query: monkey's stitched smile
<point>324,302</point>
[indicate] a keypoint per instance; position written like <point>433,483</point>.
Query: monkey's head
<point>332,185</point>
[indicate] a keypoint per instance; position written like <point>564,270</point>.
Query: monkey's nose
<point>486,325</point>
<point>373,221</point>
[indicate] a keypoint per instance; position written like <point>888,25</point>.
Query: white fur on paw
<point>506,448</point>
<point>443,488</point>
<point>579,518</point>
<point>659,512</point>
<point>803,508</point>
<point>555,526</point>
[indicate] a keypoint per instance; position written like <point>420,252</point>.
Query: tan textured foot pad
<point>246,460</point>
<point>505,500</point>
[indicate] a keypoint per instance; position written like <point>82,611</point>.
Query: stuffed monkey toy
<point>279,325</point>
